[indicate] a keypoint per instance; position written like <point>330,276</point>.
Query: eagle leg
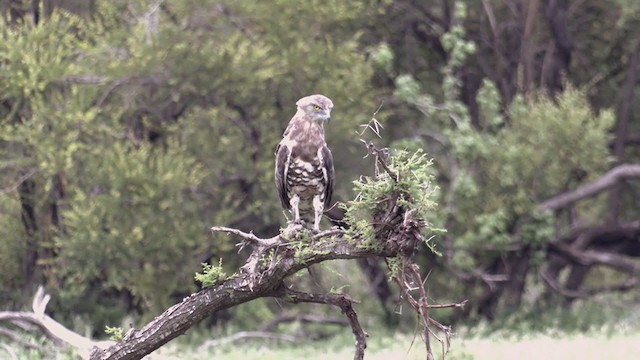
<point>295,202</point>
<point>318,209</point>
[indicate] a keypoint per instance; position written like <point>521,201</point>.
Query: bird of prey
<point>304,164</point>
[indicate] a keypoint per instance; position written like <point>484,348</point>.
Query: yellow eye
<point>316,107</point>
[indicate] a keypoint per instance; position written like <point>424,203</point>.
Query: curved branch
<point>585,293</point>
<point>593,257</point>
<point>246,335</point>
<point>309,318</point>
<point>342,301</point>
<point>53,330</point>
<point>608,180</point>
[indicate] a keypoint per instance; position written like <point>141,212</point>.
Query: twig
<point>247,236</point>
<point>327,233</point>
<point>459,305</point>
<point>381,155</point>
<point>374,125</point>
<point>410,280</point>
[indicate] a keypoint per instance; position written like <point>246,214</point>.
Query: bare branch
<point>85,79</point>
<point>628,284</point>
<point>608,180</point>
<point>309,318</point>
<point>409,280</point>
<point>342,301</point>
<point>26,176</point>
<point>591,257</point>
<point>381,156</point>
<point>242,335</point>
<point>56,332</point>
<point>246,236</point>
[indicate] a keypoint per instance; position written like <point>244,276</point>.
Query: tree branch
<point>608,180</point>
<point>271,261</point>
<point>585,293</point>
<point>342,301</point>
<point>246,335</point>
<point>310,318</point>
<point>592,257</point>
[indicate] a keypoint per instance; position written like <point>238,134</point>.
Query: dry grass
<point>552,345</point>
<point>555,346</point>
<point>612,342</point>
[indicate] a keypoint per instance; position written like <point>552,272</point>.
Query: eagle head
<point>316,107</point>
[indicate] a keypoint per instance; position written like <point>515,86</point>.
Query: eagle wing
<point>329,174</point>
<point>283,158</point>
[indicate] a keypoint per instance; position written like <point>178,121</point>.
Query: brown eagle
<point>304,164</point>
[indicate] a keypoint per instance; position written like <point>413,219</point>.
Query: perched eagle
<point>304,164</point>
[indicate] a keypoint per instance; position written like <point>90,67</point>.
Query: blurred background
<point>129,128</point>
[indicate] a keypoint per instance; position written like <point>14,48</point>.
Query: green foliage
<point>413,187</point>
<point>495,170</point>
<point>211,275</point>
<point>138,135</point>
<point>545,148</point>
<point>115,333</point>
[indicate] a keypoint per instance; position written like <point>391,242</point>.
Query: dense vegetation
<point>129,128</point>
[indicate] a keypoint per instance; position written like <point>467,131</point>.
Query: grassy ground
<point>596,344</point>
<point>587,332</point>
<point>605,343</point>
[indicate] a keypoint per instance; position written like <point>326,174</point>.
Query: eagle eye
<point>316,107</point>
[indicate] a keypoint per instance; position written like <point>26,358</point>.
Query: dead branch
<point>628,284</point>
<point>344,302</point>
<point>267,330</point>
<point>611,245</point>
<point>242,335</point>
<point>605,182</point>
<point>592,257</point>
<point>410,281</point>
<point>57,333</point>
<point>272,324</point>
<point>381,155</point>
